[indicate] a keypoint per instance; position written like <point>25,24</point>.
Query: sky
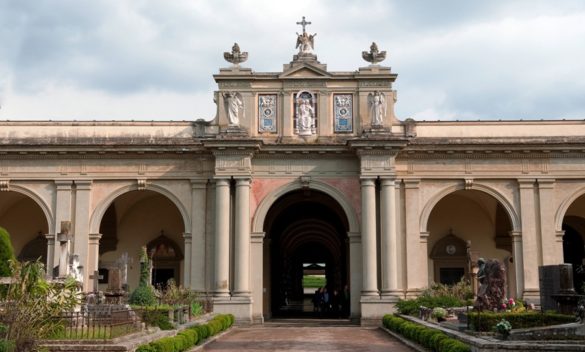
<point>154,60</point>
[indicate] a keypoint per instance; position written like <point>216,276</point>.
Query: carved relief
<point>267,113</point>
<point>343,112</point>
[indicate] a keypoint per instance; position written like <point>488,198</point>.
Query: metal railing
<point>97,325</point>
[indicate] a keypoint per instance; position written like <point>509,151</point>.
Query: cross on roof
<point>303,23</point>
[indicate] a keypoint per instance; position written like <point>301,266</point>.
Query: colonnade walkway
<point>316,337</point>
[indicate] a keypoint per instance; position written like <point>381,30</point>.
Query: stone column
<point>81,228</point>
<point>242,238</point>
<point>187,260</point>
<point>50,253</point>
<point>416,245</point>
<point>552,252</point>
<point>518,262</point>
<point>369,250</point>
<point>257,276</point>
<point>222,237</point>
<point>530,241</point>
<point>285,119</point>
<point>388,237</point>
<point>198,234</point>
<point>93,256</point>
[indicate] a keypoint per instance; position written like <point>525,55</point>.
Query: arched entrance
<point>142,218</point>
<point>27,225</point>
<point>574,240</point>
<point>306,236</point>
<point>468,217</point>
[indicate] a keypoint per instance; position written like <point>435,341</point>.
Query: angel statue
<point>492,284</point>
<point>377,104</point>
<point>233,104</point>
<point>305,42</point>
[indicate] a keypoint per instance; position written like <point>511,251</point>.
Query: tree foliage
<point>33,306</point>
<point>6,253</point>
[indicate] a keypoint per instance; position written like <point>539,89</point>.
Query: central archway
<point>306,232</point>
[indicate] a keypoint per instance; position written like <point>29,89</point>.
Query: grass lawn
<point>314,281</point>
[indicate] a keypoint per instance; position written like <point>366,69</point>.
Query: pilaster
<point>187,266</point>
<point>416,244</point>
<point>257,275</point>
<point>552,252</point>
<point>198,235</point>
<point>81,226</point>
<point>93,256</point>
<point>63,200</point>
<point>530,244</point>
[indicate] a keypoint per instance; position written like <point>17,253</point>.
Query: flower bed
<point>427,337</point>
<point>189,337</point>
<point>487,321</point>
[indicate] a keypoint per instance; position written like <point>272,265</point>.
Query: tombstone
<point>115,292</point>
<point>64,239</point>
<point>123,263</point>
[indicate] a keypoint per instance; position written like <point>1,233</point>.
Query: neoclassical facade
<point>299,166</point>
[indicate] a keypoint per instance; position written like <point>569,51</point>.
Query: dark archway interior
<point>303,227</point>
<point>574,253</point>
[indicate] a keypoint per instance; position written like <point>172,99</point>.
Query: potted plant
<point>503,328</point>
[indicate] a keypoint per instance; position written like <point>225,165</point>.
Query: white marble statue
<point>76,269</point>
<point>305,116</point>
<point>305,43</point>
<point>233,104</point>
<point>377,104</point>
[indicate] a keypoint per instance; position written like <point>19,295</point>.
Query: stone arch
<point>430,205</point>
<point>564,207</point>
<point>272,197</point>
<point>39,201</point>
<point>101,208</point>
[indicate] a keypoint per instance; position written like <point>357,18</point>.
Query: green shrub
<point>6,253</point>
<point>191,337</point>
<point>158,317</point>
<point>7,346</point>
<point>142,296</point>
<point>432,339</point>
<point>488,320</point>
<point>166,344</point>
<point>145,348</point>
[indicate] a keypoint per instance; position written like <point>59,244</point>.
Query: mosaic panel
<point>267,113</point>
<point>343,112</point>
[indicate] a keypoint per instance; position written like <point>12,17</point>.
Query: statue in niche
<point>492,281</point>
<point>377,103</point>
<point>305,116</point>
<point>233,104</point>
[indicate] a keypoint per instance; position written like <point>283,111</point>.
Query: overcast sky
<point>154,60</point>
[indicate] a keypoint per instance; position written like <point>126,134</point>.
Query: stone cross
<point>96,277</point>
<point>303,23</point>
<point>64,239</point>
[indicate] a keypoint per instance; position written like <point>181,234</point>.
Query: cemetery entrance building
<point>302,172</point>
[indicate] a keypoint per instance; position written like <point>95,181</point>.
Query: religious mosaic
<point>343,112</point>
<point>267,113</point>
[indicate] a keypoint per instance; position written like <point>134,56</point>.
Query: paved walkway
<point>300,339</point>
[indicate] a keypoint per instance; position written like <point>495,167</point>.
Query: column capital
<point>559,235</point>
<point>386,181</point>
<point>50,236</point>
<point>424,236</point>
<point>187,236</point>
<point>83,184</point>
<point>525,183</point>
<point>367,181</point>
<point>199,183</point>
<point>63,184</point>
<point>221,181</point>
<point>516,235</point>
<point>243,181</point>
<point>257,237</point>
<point>411,183</point>
<point>95,237</point>
<point>546,183</point>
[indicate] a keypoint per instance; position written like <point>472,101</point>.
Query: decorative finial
<point>305,41</point>
<point>236,57</point>
<point>374,56</point>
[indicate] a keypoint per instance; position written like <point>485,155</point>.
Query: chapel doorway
<point>306,248</point>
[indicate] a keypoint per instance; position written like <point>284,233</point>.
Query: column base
<point>531,295</point>
<point>392,294</point>
<point>240,307</point>
<point>373,310</point>
<point>412,293</point>
<point>370,294</point>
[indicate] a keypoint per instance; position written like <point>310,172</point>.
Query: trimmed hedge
<point>189,337</point>
<point>412,306</point>
<point>432,339</point>
<point>488,320</point>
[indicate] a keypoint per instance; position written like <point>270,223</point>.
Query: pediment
<point>305,71</point>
